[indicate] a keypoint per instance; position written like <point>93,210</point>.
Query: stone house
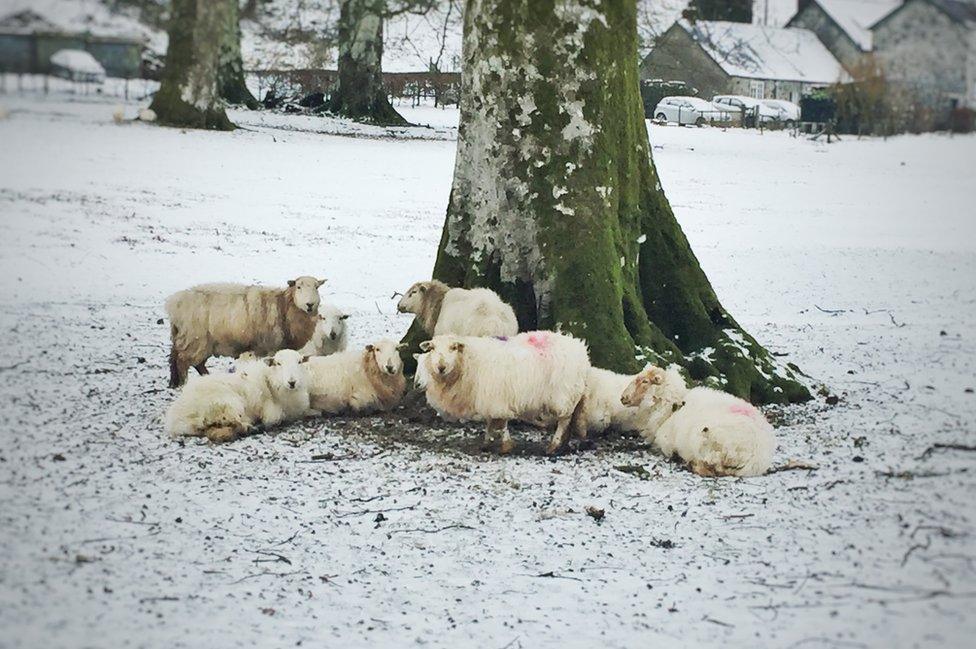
<point>720,58</point>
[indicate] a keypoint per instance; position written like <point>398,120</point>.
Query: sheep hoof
<point>554,449</point>
<point>221,435</point>
<point>507,447</point>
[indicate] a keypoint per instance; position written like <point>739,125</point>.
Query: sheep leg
<point>201,368</point>
<point>178,368</point>
<point>508,444</point>
<point>560,436</point>
<point>490,428</point>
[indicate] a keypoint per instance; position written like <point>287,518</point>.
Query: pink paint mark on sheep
<point>743,409</point>
<point>539,341</point>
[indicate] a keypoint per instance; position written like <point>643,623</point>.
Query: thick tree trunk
<point>230,73</point>
<point>359,92</point>
<point>557,205</point>
<point>188,95</point>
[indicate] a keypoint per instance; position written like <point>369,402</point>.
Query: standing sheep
<point>331,334</point>
<point>221,407</point>
<point>443,310</point>
<point>358,380</point>
<point>229,319</point>
<point>716,433</point>
<point>537,376</point>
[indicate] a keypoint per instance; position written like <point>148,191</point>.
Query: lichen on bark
<point>188,95</point>
<point>557,205</point>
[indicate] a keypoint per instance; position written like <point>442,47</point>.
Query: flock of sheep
<point>292,363</point>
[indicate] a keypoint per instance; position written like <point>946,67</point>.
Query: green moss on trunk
<point>557,206</point>
<point>188,95</point>
<point>230,72</point>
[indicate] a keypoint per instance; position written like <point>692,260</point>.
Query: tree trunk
<point>188,95</point>
<point>230,74</point>
<point>359,92</point>
<point>557,206</point>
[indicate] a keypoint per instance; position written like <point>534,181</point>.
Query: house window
<point>757,89</point>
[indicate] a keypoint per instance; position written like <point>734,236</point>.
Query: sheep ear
<point>371,348</point>
<point>426,346</point>
<point>457,347</point>
<point>291,282</point>
<point>416,357</point>
<point>305,359</point>
<point>344,316</point>
<point>401,346</point>
<point>422,288</point>
<point>269,361</point>
<point>319,282</point>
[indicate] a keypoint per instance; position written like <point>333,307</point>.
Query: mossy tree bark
<point>359,92</point>
<point>230,72</point>
<point>188,95</point>
<point>557,205</point>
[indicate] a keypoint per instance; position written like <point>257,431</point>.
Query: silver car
<point>689,110</point>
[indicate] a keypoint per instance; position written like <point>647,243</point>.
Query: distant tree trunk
<point>359,93</point>
<point>230,75</point>
<point>557,206</point>
<point>188,95</point>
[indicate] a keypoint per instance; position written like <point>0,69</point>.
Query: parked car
<point>689,110</point>
<point>77,65</point>
<point>751,107</point>
<point>789,113</point>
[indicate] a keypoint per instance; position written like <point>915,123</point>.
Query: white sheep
<point>536,376</point>
<point>224,406</point>
<point>357,381</point>
<point>716,433</point>
<point>146,115</point>
<point>601,408</point>
<point>443,310</point>
<point>118,114</point>
<point>331,334</point>
<point>229,319</point>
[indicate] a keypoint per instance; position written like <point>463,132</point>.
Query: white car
<point>789,113</point>
<point>77,65</point>
<point>749,105</point>
<point>689,110</point>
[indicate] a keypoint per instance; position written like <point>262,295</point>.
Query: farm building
<point>28,40</point>
<point>742,59</point>
<point>929,45</point>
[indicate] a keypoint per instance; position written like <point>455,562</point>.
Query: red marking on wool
<point>743,409</point>
<point>539,341</point>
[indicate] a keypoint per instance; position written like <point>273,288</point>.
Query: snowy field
<point>857,260</point>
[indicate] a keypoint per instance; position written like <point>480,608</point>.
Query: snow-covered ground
<point>857,260</point>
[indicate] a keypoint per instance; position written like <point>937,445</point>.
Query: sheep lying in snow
<point>533,376</point>
<point>221,407</point>
<point>358,380</point>
<point>443,310</point>
<point>330,333</point>
<point>716,433</point>
<point>229,319</point>
<point>601,408</point>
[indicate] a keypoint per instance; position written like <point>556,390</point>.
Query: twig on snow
<point>268,553</point>
<point>551,575</point>
<point>945,447</point>
<point>794,465</point>
<point>435,530</point>
<point>376,511</point>
<point>718,622</point>
<point>830,311</point>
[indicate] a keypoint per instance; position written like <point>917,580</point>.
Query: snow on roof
<point>77,61</point>
<point>761,52</point>
<point>856,17</point>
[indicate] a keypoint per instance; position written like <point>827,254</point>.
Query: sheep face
<point>306,293</point>
<point>647,382</point>
<point>331,326</point>
<point>413,300</point>
<point>442,357</point>
<point>386,355</point>
<point>287,371</point>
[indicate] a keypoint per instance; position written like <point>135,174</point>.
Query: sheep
<point>146,115</point>
<point>601,408</point>
<point>357,381</point>
<point>540,375</point>
<point>221,407</point>
<point>228,319</point>
<point>330,333</point>
<point>716,433</point>
<point>443,310</point>
<point>118,114</point>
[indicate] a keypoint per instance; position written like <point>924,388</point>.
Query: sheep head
<point>646,382</point>
<point>287,371</point>
<point>443,356</point>
<point>385,355</point>
<point>305,293</point>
